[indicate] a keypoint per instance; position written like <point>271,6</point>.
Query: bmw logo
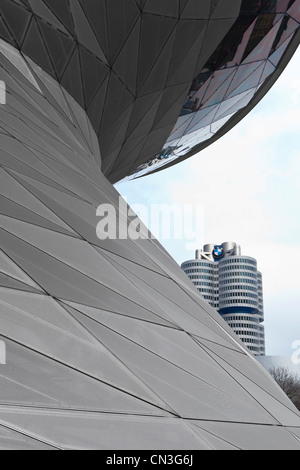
<point>218,252</point>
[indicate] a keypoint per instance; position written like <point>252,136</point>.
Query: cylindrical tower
<point>239,303</point>
<point>261,314</point>
<point>229,247</point>
<point>208,250</point>
<point>238,285</point>
<point>204,274</point>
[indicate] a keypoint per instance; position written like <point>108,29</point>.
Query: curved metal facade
<point>108,345</point>
<point>244,62</point>
<point>171,76</point>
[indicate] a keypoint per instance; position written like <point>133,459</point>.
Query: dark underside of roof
<point>131,64</point>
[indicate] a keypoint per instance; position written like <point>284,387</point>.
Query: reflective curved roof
<point>247,57</point>
<point>159,80</point>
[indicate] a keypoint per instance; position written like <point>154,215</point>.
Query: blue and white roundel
<point>218,252</point>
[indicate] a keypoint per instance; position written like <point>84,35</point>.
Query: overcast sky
<point>248,184</point>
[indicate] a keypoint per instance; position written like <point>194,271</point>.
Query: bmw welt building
<point>108,343</point>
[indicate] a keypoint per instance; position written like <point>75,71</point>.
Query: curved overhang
<point>242,85</point>
<point>131,67</point>
<point>240,115</point>
<point>129,64</point>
